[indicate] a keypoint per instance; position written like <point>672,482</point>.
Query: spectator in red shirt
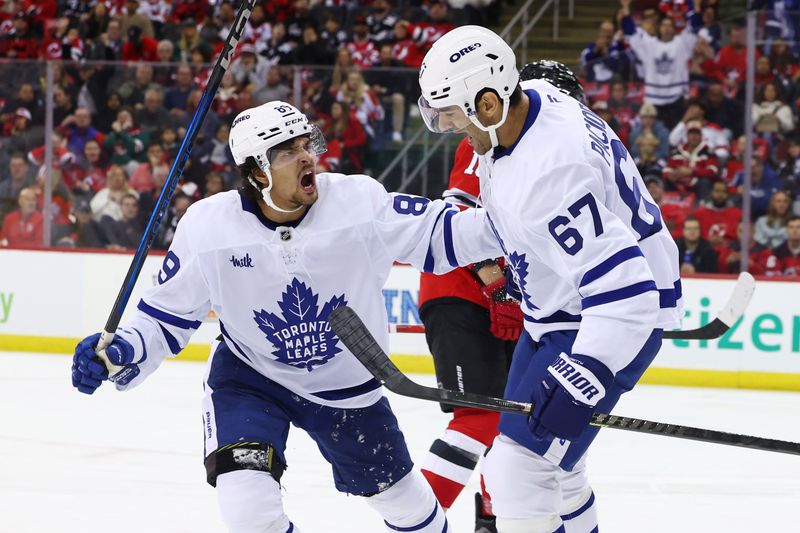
<point>718,218</point>
<point>732,60</point>
<point>730,255</point>
<point>788,253</point>
<point>20,42</point>
<point>361,48</point>
<point>349,131</point>
<point>23,227</point>
<point>692,166</point>
<point>139,47</point>
<point>672,214</point>
<point>427,33</point>
<point>405,49</point>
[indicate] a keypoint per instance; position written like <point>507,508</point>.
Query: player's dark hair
<point>246,189</point>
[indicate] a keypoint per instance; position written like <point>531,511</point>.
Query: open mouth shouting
<point>308,181</point>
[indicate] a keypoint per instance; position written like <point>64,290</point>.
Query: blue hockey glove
<point>565,399</point>
<point>88,372</point>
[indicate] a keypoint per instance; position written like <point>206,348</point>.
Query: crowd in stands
<point>669,77</point>
<point>131,73</point>
<point>669,80</point>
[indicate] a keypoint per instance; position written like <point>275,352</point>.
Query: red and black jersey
<point>718,222</point>
<point>463,190</point>
<point>781,262</point>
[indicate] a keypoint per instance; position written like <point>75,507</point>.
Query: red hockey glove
<point>504,312</point>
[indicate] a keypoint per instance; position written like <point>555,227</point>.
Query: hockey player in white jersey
<point>272,260</point>
<point>596,267</point>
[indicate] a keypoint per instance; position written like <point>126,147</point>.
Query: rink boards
<point>50,299</point>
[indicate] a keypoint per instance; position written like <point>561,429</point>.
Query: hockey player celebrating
<point>273,260</point>
<point>596,267</point>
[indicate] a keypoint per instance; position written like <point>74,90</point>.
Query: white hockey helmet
<point>256,131</point>
<point>460,65</point>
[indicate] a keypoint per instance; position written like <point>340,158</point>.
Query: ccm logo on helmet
<point>238,120</point>
<point>293,121</point>
<point>464,51</point>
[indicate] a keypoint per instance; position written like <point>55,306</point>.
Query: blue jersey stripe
<point>580,510</point>
<point>349,392</point>
<point>558,316</point>
<point>172,342</point>
<point>669,297</point>
<point>449,250</point>
<point>163,316</point>
<point>610,263</point>
<point>229,338</point>
<point>619,294</point>
<point>429,260</point>
<point>418,526</point>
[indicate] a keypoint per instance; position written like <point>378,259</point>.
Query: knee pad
<point>244,456</point>
<point>250,502</point>
<point>521,484</point>
<point>409,505</point>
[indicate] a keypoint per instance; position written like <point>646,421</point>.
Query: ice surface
<point>132,462</point>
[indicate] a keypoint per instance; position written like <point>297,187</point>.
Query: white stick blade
<point>740,299</point>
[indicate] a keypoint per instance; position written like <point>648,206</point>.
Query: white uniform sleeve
<point>169,313</point>
<point>432,235</point>
<point>642,44</point>
<point>594,251</point>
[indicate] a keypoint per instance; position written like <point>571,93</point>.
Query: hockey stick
<point>354,334</point>
<point>728,315</point>
<point>214,80</point>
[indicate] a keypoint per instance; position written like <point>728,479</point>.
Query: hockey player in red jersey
<point>471,326</point>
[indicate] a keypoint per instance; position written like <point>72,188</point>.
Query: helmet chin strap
<point>267,197</point>
<point>492,130</point>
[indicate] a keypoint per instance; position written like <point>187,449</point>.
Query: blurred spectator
<point>787,255</point>
<point>139,47</point>
<point>424,34</point>
<point>770,114</point>
<point>25,98</point>
<point>149,199</point>
<point>711,32</point>
<point>107,200</point>
<point>189,40</point>
<point>23,227</point>
<point>676,11</point>
<point>719,109</point>
<point>19,177</point>
<point>175,97</point>
<point>224,103</point>
<point>125,233</point>
<point>249,68</point>
<point>278,49</point>
<point>665,61</point>
<point>783,61</point>
<point>348,130</point>
<point>362,50</point>
<point>362,101</point>
<point>126,142</point>
<point>60,202</point>
<point>132,91</point>
<point>649,142</point>
<point>332,33</point>
<point>96,23</point>
<point>381,22</point>
<point>732,60</point>
<point>152,117</point>
<point>601,60</point>
<point>77,128</point>
<point>764,73</point>
<point>107,113</point>
<point>201,57</point>
<point>601,108</point>
<point>341,66</point>
<point>273,89</point>
<point>257,31</point>
<point>311,50</point>
<point>20,42</point>
<point>142,177</point>
<point>157,12</point>
<point>108,46</point>
<point>735,163</point>
<point>623,108</point>
<point>214,184</point>
<point>713,135</point>
<point>215,153</point>
<point>718,217</point>
<point>86,232</point>
<point>180,204</point>
<point>692,166</point>
<point>94,165</point>
<point>19,134</point>
<point>64,104</point>
<point>789,170</point>
<point>130,17</point>
<point>166,51</point>
<point>405,49</point>
<point>730,255</point>
<point>764,183</point>
<point>391,84</point>
<point>771,227</point>
<point>299,19</point>
<point>169,143</point>
<point>696,255</point>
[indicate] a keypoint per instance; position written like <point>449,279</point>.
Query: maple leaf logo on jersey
<point>664,64</point>
<point>302,337</point>
<point>519,266</point>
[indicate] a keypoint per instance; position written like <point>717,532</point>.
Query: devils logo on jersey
<point>302,337</point>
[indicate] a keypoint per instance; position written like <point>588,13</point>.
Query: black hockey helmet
<point>556,73</point>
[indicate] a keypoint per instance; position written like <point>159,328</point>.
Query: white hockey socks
<point>409,505</point>
<point>250,502</point>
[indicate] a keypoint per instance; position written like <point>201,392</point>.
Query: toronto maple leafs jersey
<point>582,234</point>
<point>273,286</point>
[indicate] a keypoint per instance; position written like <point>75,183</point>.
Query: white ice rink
<point>132,462</point>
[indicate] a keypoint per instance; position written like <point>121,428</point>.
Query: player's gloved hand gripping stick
<point>118,367</point>
<point>355,335</point>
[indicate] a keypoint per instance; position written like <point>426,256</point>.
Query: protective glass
<point>451,119</point>
<point>312,143</point>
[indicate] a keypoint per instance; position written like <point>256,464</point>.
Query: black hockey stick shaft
<point>357,338</point>
<point>175,172</point>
